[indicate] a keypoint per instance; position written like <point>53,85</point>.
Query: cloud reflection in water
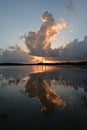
<point>59,93</point>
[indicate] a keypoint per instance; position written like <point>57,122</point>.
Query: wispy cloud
<point>69,5</point>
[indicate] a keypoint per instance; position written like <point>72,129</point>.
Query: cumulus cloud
<point>74,50</point>
<point>39,41</point>
<point>15,54</point>
<point>39,45</point>
<point>1,50</point>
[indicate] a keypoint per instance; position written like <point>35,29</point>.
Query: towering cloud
<point>73,51</point>
<point>38,42</point>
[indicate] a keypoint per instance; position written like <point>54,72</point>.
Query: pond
<point>43,97</point>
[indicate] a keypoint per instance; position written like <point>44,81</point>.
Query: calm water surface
<point>43,98</point>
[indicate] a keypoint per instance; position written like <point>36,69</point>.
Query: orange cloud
<point>39,41</point>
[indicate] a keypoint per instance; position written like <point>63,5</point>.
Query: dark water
<point>43,98</point>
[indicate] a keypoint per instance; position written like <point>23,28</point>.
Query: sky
<point>19,17</point>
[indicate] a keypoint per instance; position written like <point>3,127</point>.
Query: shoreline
<point>47,64</point>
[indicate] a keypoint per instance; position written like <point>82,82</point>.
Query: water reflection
<point>54,92</point>
<point>40,88</point>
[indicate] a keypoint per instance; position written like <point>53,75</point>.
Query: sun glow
<point>38,59</point>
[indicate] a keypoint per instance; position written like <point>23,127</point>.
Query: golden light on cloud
<point>37,59</point>
<point>24,48</point>
<point>55,29</point>
<point>39,42</point>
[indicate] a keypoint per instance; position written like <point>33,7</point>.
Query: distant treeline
<point>83,63</point>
